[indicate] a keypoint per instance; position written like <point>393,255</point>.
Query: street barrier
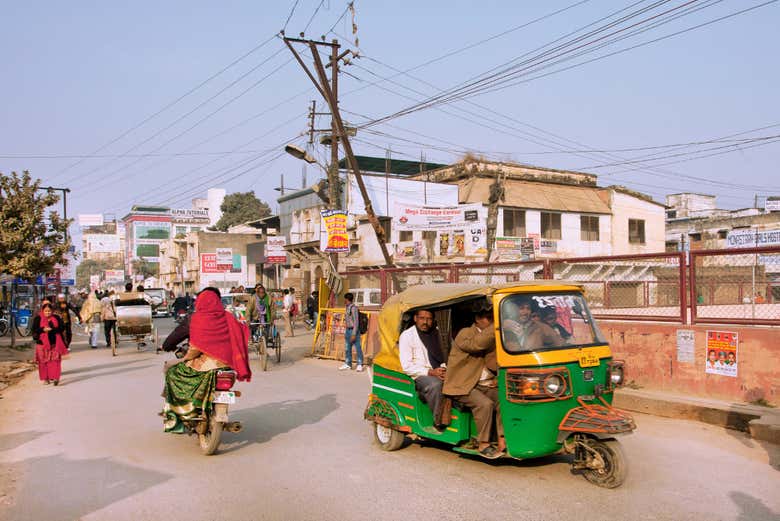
<point>329,341</point>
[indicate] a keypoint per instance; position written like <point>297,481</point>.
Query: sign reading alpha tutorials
<point>335,239</point>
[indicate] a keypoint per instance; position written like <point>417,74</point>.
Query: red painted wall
<point>650,352</point>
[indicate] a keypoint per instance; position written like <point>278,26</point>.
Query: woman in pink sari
<point>49,345</point>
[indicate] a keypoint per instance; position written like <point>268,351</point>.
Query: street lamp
<point>299,153</point>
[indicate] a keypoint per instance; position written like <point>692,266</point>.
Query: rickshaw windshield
<point>545,321</point>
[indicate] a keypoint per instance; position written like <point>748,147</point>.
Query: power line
<point>290,16</point>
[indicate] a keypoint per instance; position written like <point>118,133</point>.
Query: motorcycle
<point>213,420</point>
<point>182,314</point>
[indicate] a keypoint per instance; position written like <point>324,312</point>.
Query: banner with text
<point>335,237</point>
<point>274,250</point>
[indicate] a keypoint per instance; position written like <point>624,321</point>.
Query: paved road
<point>93,449</point>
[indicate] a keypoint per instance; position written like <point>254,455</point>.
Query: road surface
<point>93,449</point>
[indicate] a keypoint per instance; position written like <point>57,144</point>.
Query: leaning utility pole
<point>329,90</point>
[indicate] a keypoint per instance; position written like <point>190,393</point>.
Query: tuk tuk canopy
<point>438,295</point>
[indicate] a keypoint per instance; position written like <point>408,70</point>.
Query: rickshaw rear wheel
<point>615,466</point>
<point>387,438</point>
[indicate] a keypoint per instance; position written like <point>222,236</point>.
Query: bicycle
<point>5,325</point>
<point>265,337</point>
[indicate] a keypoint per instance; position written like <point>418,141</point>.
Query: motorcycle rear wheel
<point>209,441</point>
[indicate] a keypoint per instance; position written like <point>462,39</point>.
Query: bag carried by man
<point>362,322</point>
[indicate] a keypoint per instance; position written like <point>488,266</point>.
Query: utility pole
<point>329,91</point>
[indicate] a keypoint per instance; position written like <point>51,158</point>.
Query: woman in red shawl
<point>49,345</point>
<point>217,340</point>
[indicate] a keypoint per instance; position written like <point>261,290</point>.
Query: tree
<point>89,267</point>
<point>31,242</point>
<point>145,268</point>
<point>241,207</point>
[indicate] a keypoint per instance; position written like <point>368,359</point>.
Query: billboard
<point>102,243</point>
<point>274,251</point>
<point>210,264</point>
<point>752,238</point>
<point>90,219</point>
<point>410,217</point>
<point>114,275</point>
<point>152,231</point>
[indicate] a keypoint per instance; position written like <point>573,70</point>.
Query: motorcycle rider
<point>217,341</point>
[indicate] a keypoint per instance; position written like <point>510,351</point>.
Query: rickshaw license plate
<point>589,360</point>
<point>224,397</point>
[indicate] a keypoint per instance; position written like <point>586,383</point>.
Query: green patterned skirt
<point>187,394</point>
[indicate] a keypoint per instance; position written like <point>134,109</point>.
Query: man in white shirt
<point>287,304</point>
<point>422,358</point>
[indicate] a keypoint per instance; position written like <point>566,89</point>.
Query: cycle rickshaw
<point>134,318</point>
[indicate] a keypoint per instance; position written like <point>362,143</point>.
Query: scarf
<point>264,306</point>
<point>59,344</point>
<point>432,344</point>
<point>217,333</point>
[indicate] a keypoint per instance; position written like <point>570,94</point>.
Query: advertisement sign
<point>209,264</point>
<point>334,237</point>
<point>225,256</point>
<point>407,252</point>
<point>90,219</point>
<point>114,275</point>
<point>152,230</point>
<point>476,243</point>
<point>410,217</point>
<point>188,213</point>
<point>685,346</point>
<point>721,353</point>
<point>752,238</point>
<point>274,250</point>
<point>772,204</point>
<point>547,246</point>
<point>102,243</point>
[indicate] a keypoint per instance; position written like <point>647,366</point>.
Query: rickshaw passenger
<point>471,379</point>
<point>423,359</point>
<point>521,333</point>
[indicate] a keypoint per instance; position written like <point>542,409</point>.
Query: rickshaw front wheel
<point>608,465</point>
<point>388,439</point>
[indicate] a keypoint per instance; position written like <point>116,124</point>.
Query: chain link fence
<point>736,286</point>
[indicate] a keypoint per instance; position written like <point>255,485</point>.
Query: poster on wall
<point>721,353</point>
<point>685,346</point>
<point>335,237</point>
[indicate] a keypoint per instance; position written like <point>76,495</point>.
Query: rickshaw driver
<point>259,309</point>
<point>523,334</point>
<point>471,379</point>
<point>422,358</point>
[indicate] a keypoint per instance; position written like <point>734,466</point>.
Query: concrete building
<point>693,222</point>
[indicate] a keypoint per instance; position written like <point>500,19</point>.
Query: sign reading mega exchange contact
<point>752,238</point>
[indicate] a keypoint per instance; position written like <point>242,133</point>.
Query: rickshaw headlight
<point>554,385</point>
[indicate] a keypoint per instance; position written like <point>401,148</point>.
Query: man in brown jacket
<point>471,378</point>
<point>521,332</point>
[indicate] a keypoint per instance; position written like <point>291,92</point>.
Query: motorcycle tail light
<point>225,380</point>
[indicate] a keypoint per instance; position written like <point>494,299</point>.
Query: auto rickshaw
<point>552,398</point>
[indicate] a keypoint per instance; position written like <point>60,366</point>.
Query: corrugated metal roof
<point>540,196</point>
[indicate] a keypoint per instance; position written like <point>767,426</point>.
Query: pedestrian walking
<point>108,314</point>
<point>287,310</point>
<point>62,309</point>
<point>49,345</point>
<point>90,315</point>
<point>351,334</point>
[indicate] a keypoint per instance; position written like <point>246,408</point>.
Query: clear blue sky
<point>76,75</point>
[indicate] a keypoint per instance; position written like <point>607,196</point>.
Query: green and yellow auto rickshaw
<point>553,398</point>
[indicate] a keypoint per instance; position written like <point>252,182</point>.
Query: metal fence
<point>740,286</point>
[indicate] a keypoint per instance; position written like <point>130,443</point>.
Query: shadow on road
<point>752,509</point>
<point>104,373</point>
<point>97,367</point>
<point>264,422</point>
<point>739,431</point>
<point>59,489</point>
<point>15,439</point>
